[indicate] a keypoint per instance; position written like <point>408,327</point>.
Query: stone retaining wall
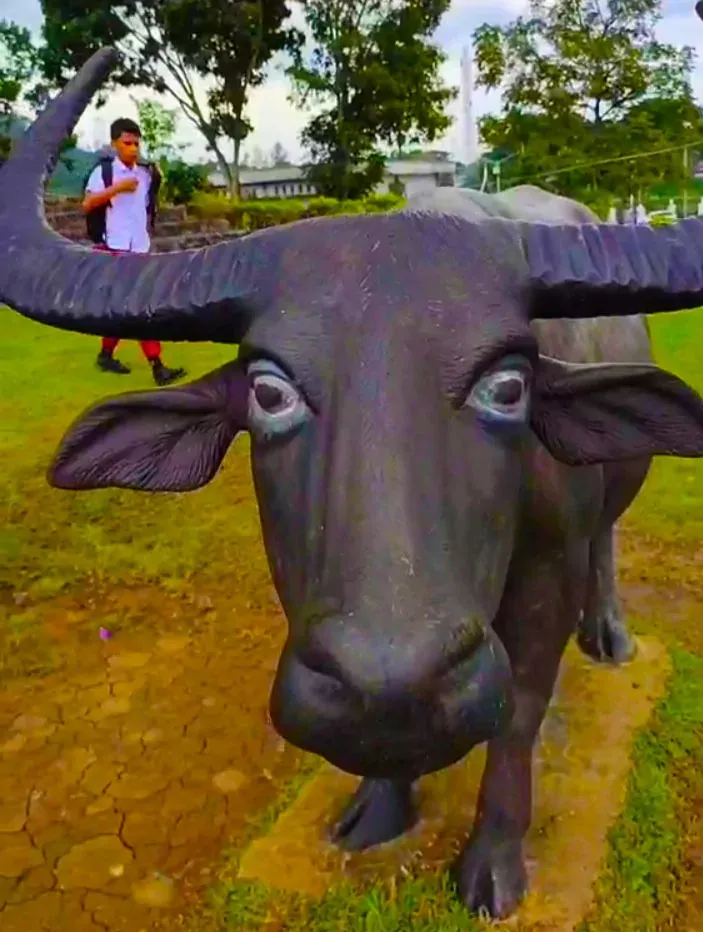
<point>174,228</point>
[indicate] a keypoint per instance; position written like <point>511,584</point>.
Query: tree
<point>279,156</point>
<point>158,126</point>
<point>376,72</point>
<point>21,90</point>
<point>257,158</point>
<point>18,66</point>
<point>583,82</point>
<point>231,42</point>
<point>167,45</point>
<point>74,29</point>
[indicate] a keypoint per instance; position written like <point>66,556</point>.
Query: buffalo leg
<point>602,634</point>
<point>379,811</point>
<point>538,615</point>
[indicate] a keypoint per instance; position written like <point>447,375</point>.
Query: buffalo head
<point>390,381</point>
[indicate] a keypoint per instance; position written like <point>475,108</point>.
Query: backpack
<point>95,221</point>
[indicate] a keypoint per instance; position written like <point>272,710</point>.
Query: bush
<point>661,220</point>
<point>597,201</point>
<point>259,214</point>
<point>182,181</point>
<point>383,202</point>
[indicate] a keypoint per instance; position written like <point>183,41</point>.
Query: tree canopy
<point>21,87</point>
<point>584,82</point>
<point>375,71</point>
<point>158,126</point>
<point>167,44</point>
<point>279,156</point>
<point>230,42</point>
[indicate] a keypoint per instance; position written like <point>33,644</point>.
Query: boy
<point>126,229</point>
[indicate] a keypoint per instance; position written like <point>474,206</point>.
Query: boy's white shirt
<point>126,222</point>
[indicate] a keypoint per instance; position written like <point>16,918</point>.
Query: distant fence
<point>676,209</point>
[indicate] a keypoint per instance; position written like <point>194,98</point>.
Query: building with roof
<point>416,174</point>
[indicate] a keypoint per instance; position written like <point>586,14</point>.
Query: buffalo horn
<point>207,294</point>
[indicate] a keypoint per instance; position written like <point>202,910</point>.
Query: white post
<point>484,180</point>
<point>467,107</point>
<point>685,185</point>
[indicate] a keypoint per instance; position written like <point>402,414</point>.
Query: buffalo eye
<point>503,394</point>
<point>276,406</point>
<point>272,398</point>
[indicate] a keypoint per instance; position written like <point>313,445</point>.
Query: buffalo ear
<point>168,440</point>
<point>586,414</point>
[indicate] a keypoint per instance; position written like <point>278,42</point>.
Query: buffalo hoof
<point>606,639</point>
<point>379,811</point>
<point>490,877</point>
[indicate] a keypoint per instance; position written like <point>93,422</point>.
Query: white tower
<point>100,134</point>
<point>470,147</point>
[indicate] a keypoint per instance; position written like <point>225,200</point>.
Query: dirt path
<point>122,777</point>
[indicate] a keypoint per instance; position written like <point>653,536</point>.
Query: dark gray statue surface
<point>450,407</point>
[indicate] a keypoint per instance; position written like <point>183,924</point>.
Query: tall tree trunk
<point>223,165</point>
<point>235,188</point>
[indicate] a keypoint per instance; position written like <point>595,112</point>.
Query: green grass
<point>422,904</point>
<point>638,888</point>
<point>51,541</point>
<point>670,506</point>
<point>73,546</point>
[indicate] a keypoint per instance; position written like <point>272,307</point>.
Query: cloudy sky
<point>276,120</point>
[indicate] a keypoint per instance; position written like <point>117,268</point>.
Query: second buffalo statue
<point>449,407</point>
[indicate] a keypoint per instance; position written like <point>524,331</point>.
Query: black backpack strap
<point>105,165</point>
<point>106,169</point>
<point>95,220</point>
<point>153,196</point>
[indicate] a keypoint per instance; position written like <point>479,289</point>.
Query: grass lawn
<point>56,547</point>
<point>50,542</point>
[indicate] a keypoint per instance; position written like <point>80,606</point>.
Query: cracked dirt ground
<point>121,781</point>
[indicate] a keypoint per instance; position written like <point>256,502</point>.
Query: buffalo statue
<point>449,406</point>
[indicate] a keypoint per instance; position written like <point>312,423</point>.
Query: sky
<point>275,119</point>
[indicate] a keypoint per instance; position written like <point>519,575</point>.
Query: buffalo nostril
<point>322,662</point>
<point>328,678</point>
<point>463,647</point>
<point>351,662</point>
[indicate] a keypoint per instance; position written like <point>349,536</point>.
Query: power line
<point>619,158</point>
